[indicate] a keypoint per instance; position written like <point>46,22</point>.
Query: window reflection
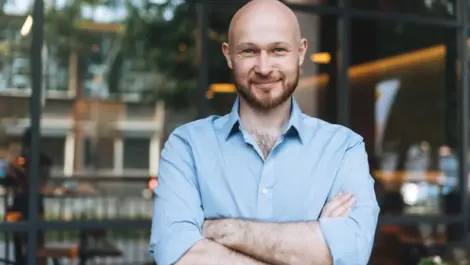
<point>410,244</point>
<point>117,79</point>
<point>403,97</point>
<point>121,81</point>
<point>429,8</point>
<point>15,88</point>
<point>98,199</point>
<point>97,246</point>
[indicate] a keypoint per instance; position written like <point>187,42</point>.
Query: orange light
<point>210,94</point>
<point>222,88</point>
<point>321,58</point>
<point>182,47</point>
<point>95,26</point>
<point>13,216</point>
<point>20,161</point>
<point>153,183</point>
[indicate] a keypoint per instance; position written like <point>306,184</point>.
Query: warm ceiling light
<point>321,58</point>
<point>27,26</point>
<point>222,88</point>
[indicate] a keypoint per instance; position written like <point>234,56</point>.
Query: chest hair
<point>265,141</point>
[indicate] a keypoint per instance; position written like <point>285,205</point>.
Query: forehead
<point>263,29</point>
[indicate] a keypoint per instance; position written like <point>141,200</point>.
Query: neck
<point>270,121</point>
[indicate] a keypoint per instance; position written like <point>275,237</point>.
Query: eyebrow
<point>245,45</point>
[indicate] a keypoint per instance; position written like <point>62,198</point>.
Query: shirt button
<point>264,191</point>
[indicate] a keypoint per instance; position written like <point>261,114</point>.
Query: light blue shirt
<point>212,168</point>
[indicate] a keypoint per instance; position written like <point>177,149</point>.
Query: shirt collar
<point>294,125</point>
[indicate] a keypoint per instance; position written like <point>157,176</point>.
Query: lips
<point>265,85</point>
<point>262,83</point>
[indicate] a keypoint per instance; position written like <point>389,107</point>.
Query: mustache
<point>275,77</point>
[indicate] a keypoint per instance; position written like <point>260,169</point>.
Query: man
<point>264,184</point>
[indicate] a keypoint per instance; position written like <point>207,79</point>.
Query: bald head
<point>266,11</point>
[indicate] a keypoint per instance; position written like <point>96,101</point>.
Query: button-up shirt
<point>212,168</point>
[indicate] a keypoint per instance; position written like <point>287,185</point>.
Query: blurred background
<point>108,80</point>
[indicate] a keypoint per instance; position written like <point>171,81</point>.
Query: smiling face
<point>265,52</point>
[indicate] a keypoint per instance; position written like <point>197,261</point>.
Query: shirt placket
<point>265,190</point>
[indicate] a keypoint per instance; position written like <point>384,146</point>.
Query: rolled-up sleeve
<point>350,239</point>
<point>177,213</point>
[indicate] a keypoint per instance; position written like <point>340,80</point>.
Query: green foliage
<point>174,48</point>
<point>168,48</point>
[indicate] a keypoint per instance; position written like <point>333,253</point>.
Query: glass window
<point>54,147</point>
<point>403,84</point>
<point>121,246</point>
<point>15,88</point>
<point>127,75</point>
<point>99,154</point>
<point>130,75</point>
<point>412,244</point>
<point>103,198</point>
<point>427,8</point>
<point>137,154</point>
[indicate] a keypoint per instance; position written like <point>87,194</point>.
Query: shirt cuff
<point>175,246</point>
<point>337,237</point>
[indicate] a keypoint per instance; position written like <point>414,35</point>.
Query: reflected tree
<point>160,38</point>
<point>172,40</point>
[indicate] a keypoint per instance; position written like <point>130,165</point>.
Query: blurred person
<point>17,181</point>
<point>264,184</point>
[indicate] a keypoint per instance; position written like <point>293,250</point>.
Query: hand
<point>220,230</point>
<point>206,229</point>
<point>339,206</point>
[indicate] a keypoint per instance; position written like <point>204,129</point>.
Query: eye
<point>248,52</point>
<point>280,50</point>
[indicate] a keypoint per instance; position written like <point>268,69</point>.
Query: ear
<point>302,50</point>
<point>226,51</point>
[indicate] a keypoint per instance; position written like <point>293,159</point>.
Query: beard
<point>270,102</point>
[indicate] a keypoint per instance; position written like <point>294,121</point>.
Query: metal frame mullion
<point>463,111</point>
<point>13,227</point>
<point>344,37</point>
<point>421,219</point>
<point>35,116</point>
<point>203,21</point>
<point>95,224</point>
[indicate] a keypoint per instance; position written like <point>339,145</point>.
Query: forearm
<point>207,252</point>
<point>275,243</point>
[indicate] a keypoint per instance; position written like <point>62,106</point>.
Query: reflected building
<point>85,129</point>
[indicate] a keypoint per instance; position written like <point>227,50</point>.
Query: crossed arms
<point>275,243</point>
<point>180,234</point>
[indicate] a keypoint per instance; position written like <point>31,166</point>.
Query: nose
<point>263,66</point>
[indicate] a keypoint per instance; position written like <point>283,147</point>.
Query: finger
<point>337,201</point>
<point>345,213</point>
<point>343,209</point>
<point>341,212</point>
<point>337,207</point>
<point>334,203</point>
